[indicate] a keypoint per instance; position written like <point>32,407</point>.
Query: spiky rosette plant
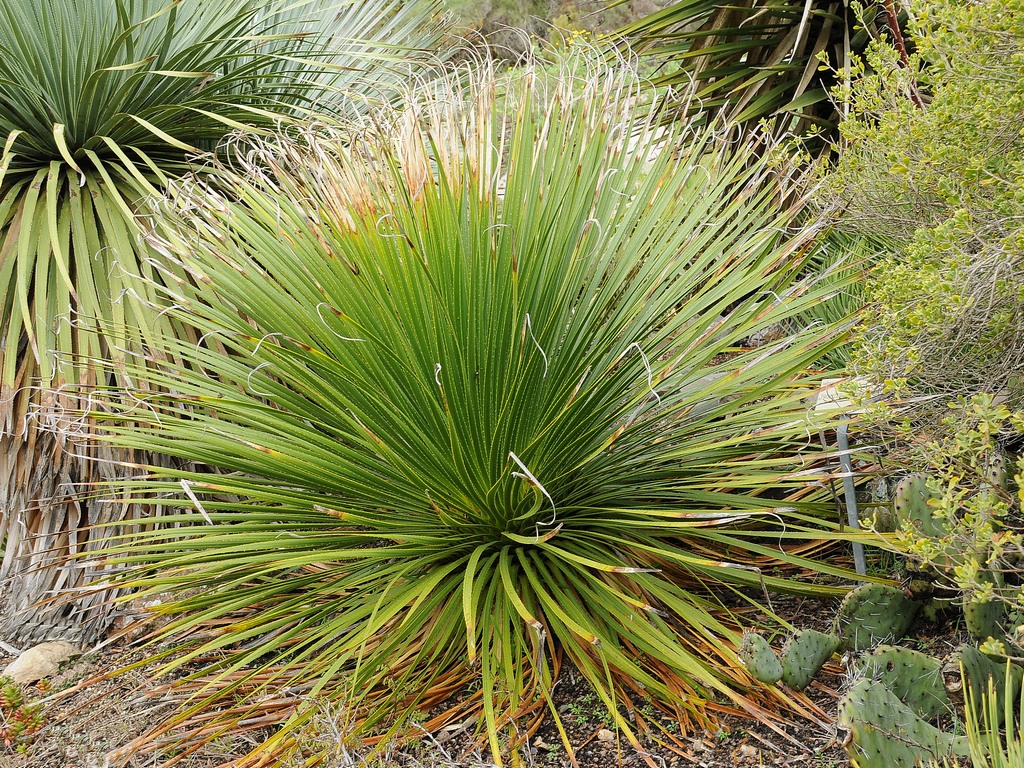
<point>101,104</point>
<point>478,384</point>
<point>774,61</point>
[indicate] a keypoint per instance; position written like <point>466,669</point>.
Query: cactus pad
<point>873,613</point>
<point>996,475</point>
<point>886,733</point>
<point>984,619</point>
<point>910,503</point>
<point>759,658</point>
<point>804,654</point>
<point>915,679</point>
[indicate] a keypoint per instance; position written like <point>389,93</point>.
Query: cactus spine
<point>804,654</point>
<point>874,613</point>
<point>759,658</point>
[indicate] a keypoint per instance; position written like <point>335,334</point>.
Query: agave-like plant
<point>101,104</point>
<point>751,61</point>
<point>844,260</point>
<point>479,386</point>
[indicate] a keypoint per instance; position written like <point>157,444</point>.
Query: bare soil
<point>92,713</point>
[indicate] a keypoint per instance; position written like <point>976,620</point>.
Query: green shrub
<point>945,183</point>
<point>959,520</point>
<point>478,386</point>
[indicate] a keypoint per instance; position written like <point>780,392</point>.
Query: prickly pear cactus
<point>874,613</point>
<point>984,619</point>
<point>886,733</point>
<point>1015,629</point>
<point>804,654</point>
<point>910,503</point>
<point>978,668</point>
<point>759,658</point>
<point>914,678</point>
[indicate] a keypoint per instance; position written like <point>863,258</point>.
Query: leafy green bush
<point>957,517</point>
<point>945,183</point>
<point>478,386</point>
<point>960,519</point>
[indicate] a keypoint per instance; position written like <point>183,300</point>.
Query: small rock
<point>746,752</point>
<point>698,746</point>
<point>40,661</point>
<point>605,735</point>
<point>951,674</point>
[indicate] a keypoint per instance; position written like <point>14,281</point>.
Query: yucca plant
<point>994,724</point>
<point>845,261</point>
<point>101,104</point>
<point>752,61</point>
<point>479,388</point>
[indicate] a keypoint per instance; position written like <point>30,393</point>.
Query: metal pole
<point>850,492</point>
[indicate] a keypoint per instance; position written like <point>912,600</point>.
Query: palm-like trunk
<point>51,503</point>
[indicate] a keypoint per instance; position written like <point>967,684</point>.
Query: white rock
<point>605,735</point>
<point>40,661</point>
<point>748,752</point>
<point>834,394</point>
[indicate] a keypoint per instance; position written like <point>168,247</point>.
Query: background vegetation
<point>943,182</point>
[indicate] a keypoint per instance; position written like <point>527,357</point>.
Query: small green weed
<point>588,710</point>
